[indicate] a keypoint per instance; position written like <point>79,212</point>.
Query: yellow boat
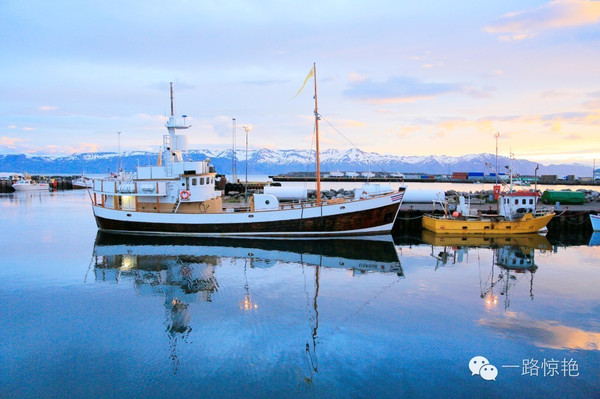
<point>517,214</point>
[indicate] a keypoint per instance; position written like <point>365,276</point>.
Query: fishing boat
<point>595,219</point>
<point>517,214</point>
<point>29,185</point>
<point>82,182</point>
<point>179,197</point>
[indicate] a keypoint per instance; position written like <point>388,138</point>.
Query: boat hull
<point>527,224</point>
<point>527,240</point>
<point>360,253</point>
<point>364,217</point>
<point>595,219</point>
<point>79,185</point>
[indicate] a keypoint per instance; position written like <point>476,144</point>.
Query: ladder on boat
<point>168,159</point>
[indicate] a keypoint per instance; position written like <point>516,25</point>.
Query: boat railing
<point>129,187</point>
<point>543,211</point>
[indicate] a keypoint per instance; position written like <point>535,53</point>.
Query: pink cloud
<point>10,142</point>
<point>553,15</point>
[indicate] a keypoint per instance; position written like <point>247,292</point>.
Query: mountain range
<point>269,162</point>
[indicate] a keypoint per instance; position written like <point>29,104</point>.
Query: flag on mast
<point>310,75</point>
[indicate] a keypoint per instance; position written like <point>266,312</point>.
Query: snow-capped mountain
<point>266,161</point>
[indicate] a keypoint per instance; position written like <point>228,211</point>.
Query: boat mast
<point>170,143</point>
<point>172,113</point>
<point>318,176</point>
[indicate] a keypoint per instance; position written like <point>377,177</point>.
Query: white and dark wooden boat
<point>179,197</point>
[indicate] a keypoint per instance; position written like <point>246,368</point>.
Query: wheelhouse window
<point>194,181</point>
<point>202,180</point>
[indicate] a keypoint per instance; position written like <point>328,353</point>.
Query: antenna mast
<point>172,112</point>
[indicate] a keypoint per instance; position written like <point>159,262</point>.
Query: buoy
<point>455,214</point>
<point>185,195</point>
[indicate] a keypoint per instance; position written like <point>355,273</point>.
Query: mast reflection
<point>512,257</point>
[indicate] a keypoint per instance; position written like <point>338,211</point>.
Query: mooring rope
<point>416,217</point>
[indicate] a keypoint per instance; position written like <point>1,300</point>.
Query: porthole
<point>267,202</point>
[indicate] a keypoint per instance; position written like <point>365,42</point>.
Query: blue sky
<point>396,77</point>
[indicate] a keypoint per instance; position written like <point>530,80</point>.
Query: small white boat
<point>595,219</point>
<point>29,185</point>
<point>82,182</point>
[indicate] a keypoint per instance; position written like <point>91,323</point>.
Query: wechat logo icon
<point>479,365</point>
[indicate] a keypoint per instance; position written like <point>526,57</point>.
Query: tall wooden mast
<point>318,176</point>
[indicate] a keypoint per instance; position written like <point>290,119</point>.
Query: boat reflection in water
<point>182,270</point>
<point>513,256</point>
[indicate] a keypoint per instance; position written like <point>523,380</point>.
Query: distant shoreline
<point>559,182</point>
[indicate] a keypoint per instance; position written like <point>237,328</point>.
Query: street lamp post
<point>119,166</point>
<point>497,134</point>
<point>246,129</point>
<point>233,156</point>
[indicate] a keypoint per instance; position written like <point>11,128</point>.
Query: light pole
<point>536,169</point>
<point>233,157</point>
<point>119,166</point>
<point>247,129</point>
<point>497,134</point>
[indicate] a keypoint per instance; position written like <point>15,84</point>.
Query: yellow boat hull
<point>531,240</point>
<point>486,226</point>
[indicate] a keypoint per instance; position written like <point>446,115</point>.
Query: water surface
<point>96,315</point>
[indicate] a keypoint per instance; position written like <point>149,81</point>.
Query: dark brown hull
<point>354,223</point>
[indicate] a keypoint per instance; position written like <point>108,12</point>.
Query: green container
<point>564,197</point>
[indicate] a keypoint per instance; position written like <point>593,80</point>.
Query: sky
<point>395,77</point>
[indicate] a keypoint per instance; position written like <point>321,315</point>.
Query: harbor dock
<point>421,179</point>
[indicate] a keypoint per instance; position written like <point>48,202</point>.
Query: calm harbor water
<point>86,314</point>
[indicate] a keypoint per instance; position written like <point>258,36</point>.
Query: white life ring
<point>185,195</point>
